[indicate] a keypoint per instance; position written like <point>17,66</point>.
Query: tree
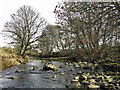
<point>24,28</point>
<point>90,25</point>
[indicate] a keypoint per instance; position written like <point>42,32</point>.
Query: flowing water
<point>37,78</point>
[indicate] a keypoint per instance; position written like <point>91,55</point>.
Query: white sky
<point>7,7</point>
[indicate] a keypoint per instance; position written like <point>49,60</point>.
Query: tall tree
<point>91,25</point>
<point>24,28</point>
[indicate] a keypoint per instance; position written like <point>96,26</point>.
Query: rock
<point>70,64</point>
<point>61,73</point>
<point>74,85</point>
<point>66,63</point>
<point>48,66</point>
<point>92,81</point>
<point>84,82</point>
<point>35,68</point>
<point>93,86</point>
<point>43,61</point>
<point>76,78</point>
<point>54,76</point>
<point>74,73</point>
<point>62,66</point>
<point>18,71</point>
<point>111,86</point>
<point>83,77</point>
<point>13,77</point>
<point>100,78</point>
<point>76,66</point>
<point>102,84</point>
<point>71,69</point>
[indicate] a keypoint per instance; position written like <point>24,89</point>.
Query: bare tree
<point>24,28</point>
<point>89,25</point>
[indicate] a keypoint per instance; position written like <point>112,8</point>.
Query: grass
<point>9,58</point>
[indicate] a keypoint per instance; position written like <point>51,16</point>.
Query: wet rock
<point>48,66</point>
<point>76,78</point>
<point>62,66</point>
<point>74,85</point>
<point>92,81</point>
<point>102,84</point>
<point>76,66</point>
<point>43,61</point>
<point>66,63</point>
<point>74,73</point>
<point>70,64</point>
<point>61,73</point>
<point>54,76</point>
<point>35,68</point>
<point>84,82</point>
<point>93,86</point>
<point>18,71</point>
<point>71,69</point>
<point>111,86</point>
<point>100,78</point>
<point>13,77</point>
<point>83,77</point>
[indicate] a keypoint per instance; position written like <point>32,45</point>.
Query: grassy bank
<point>10,58</point>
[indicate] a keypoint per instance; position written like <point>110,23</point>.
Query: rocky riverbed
<point>59,74</point>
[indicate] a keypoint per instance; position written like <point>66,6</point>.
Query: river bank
<point>9,58</point>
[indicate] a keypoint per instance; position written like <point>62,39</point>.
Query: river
<point>37,78</point>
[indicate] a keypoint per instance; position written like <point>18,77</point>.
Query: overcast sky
<point>7,7</point>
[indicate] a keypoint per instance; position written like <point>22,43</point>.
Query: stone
<point>93,86</point>
<point>70,64</point>
<point>54,76</point>
<point>35,68</point>
<point>48,66</point>
<point>76,66</point>
<point>66,63</point>
<point>83,77</point>
<point>92,81</point>
<point>84,82</point>
<point>61,73</point>
<point>62,66</point>
<point>13,77</point>
<point>43,61</point>
<point>76,78</point>
<point>74,85</point>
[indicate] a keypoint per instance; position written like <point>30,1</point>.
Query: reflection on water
<point>33,79</point>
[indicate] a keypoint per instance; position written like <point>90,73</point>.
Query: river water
<point>37,78</point>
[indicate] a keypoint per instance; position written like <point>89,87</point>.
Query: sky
<point>8,7</point>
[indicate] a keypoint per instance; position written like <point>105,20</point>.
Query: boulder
<point>48,66</point>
